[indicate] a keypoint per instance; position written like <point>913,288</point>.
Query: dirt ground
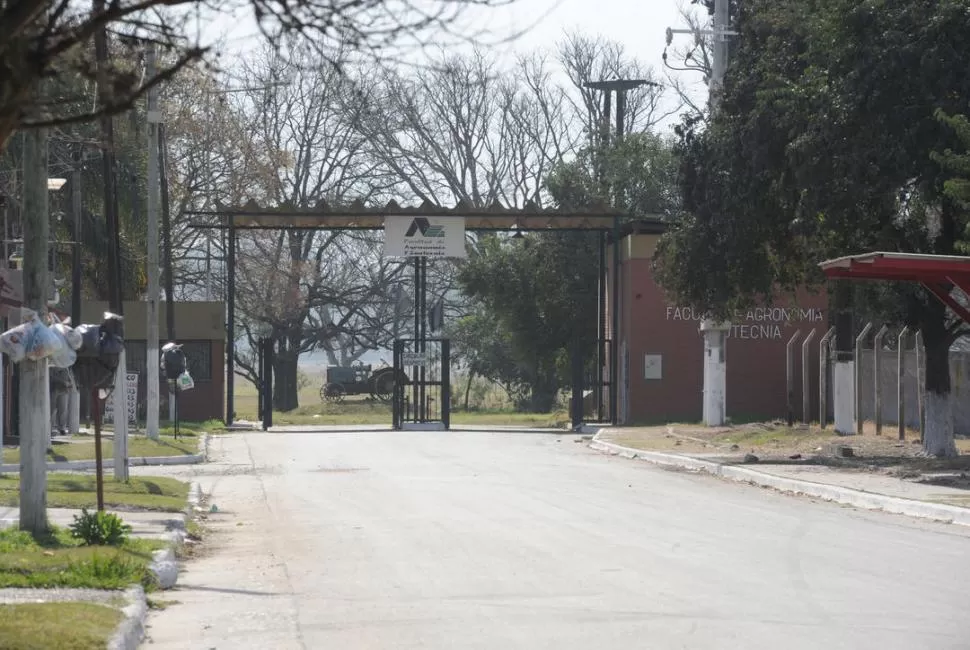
<point>776,443</point>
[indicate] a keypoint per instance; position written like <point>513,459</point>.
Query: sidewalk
<point>157,525</point>
<point>865,483</point>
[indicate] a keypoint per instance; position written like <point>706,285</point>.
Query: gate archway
<point>600,385</point>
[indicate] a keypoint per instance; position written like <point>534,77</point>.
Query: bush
<point>100,528</point>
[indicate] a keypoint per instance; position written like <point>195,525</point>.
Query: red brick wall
<point>756,359</point>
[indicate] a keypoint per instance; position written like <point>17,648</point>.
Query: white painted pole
<point>877,371</point>
<point>901,382</point>
<point>120,397</point>
<point>790,376</point>
<point>806,379</point>
<point>823,377</point>
<point>715,372</point>
<point>35,422</point>
<point>858,377</point>
<point>154,195</point>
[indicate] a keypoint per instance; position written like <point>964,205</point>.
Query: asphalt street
<point>502,540</point>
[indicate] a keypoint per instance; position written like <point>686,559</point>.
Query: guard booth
<point>422,386</point>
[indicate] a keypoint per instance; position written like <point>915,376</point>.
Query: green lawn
<point>58,560</point>
<point>361,409</point>
<point>65,626</point>
<point>138,445</point>
<point>78,490</point>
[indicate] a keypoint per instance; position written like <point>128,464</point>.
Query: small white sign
<point>414,359</point>
<point>653,366</point>
<point>131,401</point>
<point>406,236</point>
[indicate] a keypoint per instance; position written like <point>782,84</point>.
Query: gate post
<point>397,394</point>
<point>267,351</point>
<point>577,387</point>
<point>259,377</point>
<point>446,383</point>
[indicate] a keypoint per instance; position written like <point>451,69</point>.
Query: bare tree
<point>586,59</point>
<point>49,39</point>
<point>309,289</point>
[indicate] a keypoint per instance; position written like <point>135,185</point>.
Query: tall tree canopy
<point>826,144</point>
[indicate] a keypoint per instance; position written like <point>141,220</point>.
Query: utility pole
<point>152,372</point>
<point>715,332</point>
<point>74,409</point>
<point>120,446</point>
<point>721,32</point>
<point>722,25</point>
<point>34,421</point>
<point>167,236</point>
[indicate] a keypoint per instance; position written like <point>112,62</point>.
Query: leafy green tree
<point>541,292</point>
<point>638,174</point>
<point>825,144</point>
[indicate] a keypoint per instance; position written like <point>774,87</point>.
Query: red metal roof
<point>938,273</point>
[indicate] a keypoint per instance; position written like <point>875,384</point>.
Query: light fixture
<point>55,183</point>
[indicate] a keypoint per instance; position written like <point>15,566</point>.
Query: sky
<point>527,25</point>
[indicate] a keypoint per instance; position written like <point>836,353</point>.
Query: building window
<point>198,357</point>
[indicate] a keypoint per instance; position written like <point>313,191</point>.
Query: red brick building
<point>661,349</point>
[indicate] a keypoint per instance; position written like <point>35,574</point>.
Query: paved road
<point>516,540</point>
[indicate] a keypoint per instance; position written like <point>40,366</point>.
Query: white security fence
<point>899,376</point>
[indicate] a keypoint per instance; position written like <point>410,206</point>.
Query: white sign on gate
<point>406,236</point>
<point>131,400</point>
<point>414,359</point>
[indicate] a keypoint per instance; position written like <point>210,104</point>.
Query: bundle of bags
<point>34,340</point>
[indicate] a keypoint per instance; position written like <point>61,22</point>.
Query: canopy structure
<point>358,216</point>
<point>938,273</point>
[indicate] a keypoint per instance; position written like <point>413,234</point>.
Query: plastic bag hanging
<point>41,341</point>
<point>185,381</point>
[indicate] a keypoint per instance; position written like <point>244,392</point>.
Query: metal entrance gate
<point>264,355</point>
<point>422,388</point>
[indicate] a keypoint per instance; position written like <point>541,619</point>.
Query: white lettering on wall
<point>756,323</point>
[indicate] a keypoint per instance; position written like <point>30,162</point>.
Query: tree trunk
<point>938,434</point>
<point>285,388</point>
<point>468,387</point>
<point>544,392</point>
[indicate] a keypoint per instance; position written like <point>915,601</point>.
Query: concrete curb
<point>837,494</point>
<point>131,630</point>
<point>133,461</point>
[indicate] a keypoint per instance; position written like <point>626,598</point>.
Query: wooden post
<point>877,370</point>
<point>790,375</point>
<point>901,382</point>
<point>823,376</point>
<point>858,377</point>
<point>806,392</point>
<point>35,423</point>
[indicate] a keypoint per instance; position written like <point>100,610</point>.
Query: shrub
<point>100,528</point>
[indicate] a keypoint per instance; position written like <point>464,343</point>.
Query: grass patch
<point>65,626</point>
<point>137,446</point>
<point>78,490</point>
<point>357,411</point>
<point>490,409</point>
<point>58,560</point>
